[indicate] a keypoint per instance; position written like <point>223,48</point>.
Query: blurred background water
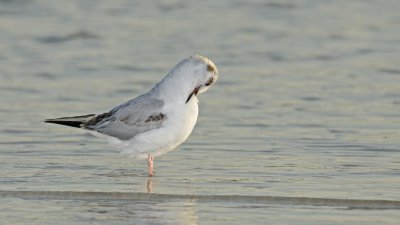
<point>307,105</point>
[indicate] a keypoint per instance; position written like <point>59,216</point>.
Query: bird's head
<point>188,78</point>
<point>204,74</point>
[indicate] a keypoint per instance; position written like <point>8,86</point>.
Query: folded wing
<point>136,116</point>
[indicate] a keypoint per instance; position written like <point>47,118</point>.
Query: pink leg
<point>150,163</point>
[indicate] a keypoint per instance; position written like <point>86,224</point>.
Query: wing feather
<point>136,116</point>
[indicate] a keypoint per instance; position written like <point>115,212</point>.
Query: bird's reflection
<point>169,212</point>
<point>149,185</point>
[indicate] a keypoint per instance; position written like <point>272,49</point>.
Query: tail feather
<point>74,121</point>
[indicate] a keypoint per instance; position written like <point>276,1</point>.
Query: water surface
<point>306,107</point>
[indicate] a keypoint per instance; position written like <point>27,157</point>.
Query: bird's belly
<point>175,131</point>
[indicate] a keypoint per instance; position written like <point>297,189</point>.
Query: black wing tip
<point>66,123</point>
<point>76,121</point>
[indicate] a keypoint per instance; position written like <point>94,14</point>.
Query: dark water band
<point>248,199</point>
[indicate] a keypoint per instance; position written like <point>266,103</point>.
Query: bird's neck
<point>174,88</point>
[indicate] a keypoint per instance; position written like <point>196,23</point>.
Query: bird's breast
<point>182,120</point>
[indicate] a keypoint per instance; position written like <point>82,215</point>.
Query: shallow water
<point>304,117</point>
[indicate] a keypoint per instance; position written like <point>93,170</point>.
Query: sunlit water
<point>305,115</point>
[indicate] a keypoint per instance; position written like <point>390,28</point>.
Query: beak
<point>194,92</point>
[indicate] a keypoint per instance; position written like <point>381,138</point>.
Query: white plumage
<point>159,120</point>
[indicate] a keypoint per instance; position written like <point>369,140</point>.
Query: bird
<point>155,122</point>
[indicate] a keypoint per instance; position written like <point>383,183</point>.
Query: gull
<point>155,122</point>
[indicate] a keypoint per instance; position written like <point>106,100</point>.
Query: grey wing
<point>131,118</point>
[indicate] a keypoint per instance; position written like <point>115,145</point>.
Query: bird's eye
<point>210,68</point>
<point>210,81</point>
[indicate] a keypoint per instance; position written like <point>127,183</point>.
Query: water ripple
<point>272,200</point>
